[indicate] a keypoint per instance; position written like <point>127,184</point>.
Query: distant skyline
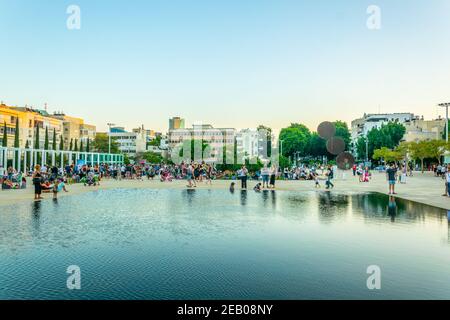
<point>228,63</point>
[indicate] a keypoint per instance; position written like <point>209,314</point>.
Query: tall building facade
<point>30,120</point>
<point>75,129</point>
<point>420,129</point>
<point>215,138</point>
<point>130,143</point>
<point>176,123</point>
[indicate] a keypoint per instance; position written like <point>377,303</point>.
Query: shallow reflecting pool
<point>200,244</point>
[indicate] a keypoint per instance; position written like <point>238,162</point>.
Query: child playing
<point>58,187</point>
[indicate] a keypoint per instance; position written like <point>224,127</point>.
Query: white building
<point>248,143</point>
<point>362,126</point>
<point>420,129</point>
<point>129,143</point>
<point>215,138</point>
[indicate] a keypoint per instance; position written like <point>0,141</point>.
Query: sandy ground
<point>424,188</point>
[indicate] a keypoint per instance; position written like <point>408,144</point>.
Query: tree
<point>16,135</point>
<point>389,136</point>
<point>5,136</point>
<point>54,139</point>
<point>88,148</point>
<point>37,143</point>
<point>81,146</point>
<point>437,149</point>
<point>152,157</point>
<point>387,155</point>
<point>294,138</point>
<point>420,150</point>
<point>343,132</point>
<point>46,139</point>
<point>61,143</point>
<point>101,141</point>
<point>27,145</point>
<point>71,144</point>
<point>155,142</point>
<point>317,146</point>
<point>76,145</point>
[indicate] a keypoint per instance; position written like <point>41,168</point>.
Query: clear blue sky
<point>233,63</point>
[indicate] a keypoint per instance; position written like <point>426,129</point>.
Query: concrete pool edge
<point>421,189</point>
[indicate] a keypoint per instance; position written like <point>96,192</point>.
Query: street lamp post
<point>445,105</point>
<point>109,137</point>
<point>367,149</point>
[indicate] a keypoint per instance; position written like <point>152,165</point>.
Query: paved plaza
<point>423,188</point>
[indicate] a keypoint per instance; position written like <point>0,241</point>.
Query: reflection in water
<point>274,198</point>
<point>265,196</point>
<point>332,205</point>
<point>448,225</point>
<point>36,213</point>
<point>243,197</point>
<point>392,208</point>
<point>189,194</point>
<point>147,241</point>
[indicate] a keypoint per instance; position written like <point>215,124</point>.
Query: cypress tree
<point>16,136</point>
<point>27,145</point>
<point>71,145</point>
<point>46,139</point>
<point>81,146</point>
<point>61,143</point>
<point>87,146</point>
<point>76,145</point>
<point>54,139</point>
<point>5,136</point>
<point>37,142</point>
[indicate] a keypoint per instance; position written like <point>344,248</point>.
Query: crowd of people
<point>54,179</point>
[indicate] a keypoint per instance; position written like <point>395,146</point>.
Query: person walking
<point>330,176</point>
<point>189,176</point>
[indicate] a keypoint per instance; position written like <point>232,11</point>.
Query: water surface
<point>201,244</point>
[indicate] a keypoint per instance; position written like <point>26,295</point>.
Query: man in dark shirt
<point>391,175</point>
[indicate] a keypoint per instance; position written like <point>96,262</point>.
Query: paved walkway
<point>424,188</point>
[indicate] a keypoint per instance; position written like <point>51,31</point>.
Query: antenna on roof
<point>45,107</point>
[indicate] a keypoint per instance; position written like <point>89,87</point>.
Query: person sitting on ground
<point>47,186</point>
<point>23,185</point>
<point>257,188</point>
<point>232,187</point>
